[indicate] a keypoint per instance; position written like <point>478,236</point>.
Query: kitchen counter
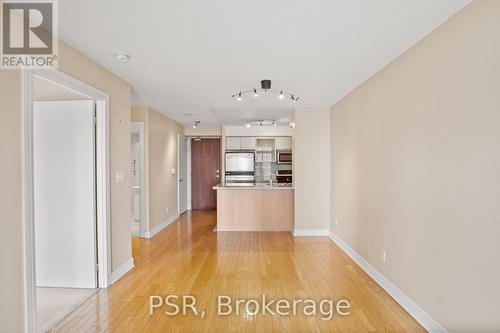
<point>259,186</point>
<point>255,208</point>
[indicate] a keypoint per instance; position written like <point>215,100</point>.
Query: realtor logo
<point>29,34</point>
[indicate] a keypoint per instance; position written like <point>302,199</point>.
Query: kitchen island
<point>255,208</point>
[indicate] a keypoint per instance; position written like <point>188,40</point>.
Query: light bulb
<point>274,124</point>
<point>248,125</point>
<point>281,96</point>
<point>238,98</point>
<point>255,94</point>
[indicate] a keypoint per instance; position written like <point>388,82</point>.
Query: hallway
<point>188,258</point>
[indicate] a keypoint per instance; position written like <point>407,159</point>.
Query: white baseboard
<point>310,232</point>
<point>411,307</point>
<point>161,226</point>
<point>122,270</point>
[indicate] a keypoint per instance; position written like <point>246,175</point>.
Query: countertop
<point>262,186</point>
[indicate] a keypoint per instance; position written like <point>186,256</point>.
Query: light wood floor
<point>188,258</point>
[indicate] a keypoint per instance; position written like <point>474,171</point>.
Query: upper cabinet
<point>249,143</point>
<point>233,143</point>
<point>241,143</point>
<point>254,143</point>
<point>283,143</point>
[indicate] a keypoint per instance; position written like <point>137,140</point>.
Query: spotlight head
<point>248,125</point>
<point>281,96</point>
<point>255,94</point>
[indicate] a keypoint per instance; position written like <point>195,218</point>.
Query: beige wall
<point>44,90</point>
<point>203,131</point>
<point>311,138</point>
<point>161,157</point>
<point>79,66</point>
<point>11,246</point>
<point>417,170</point>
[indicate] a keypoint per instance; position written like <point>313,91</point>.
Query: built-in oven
<point>284,176</point>
<point>240,179</point>
<point>284,156</point>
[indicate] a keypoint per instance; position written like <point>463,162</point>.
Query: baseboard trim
<point>310,232</point>
<point>161,226</point>
<point>429,323</point>
<point>122,270</point>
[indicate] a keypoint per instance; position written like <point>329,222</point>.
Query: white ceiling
<point>190,56</point>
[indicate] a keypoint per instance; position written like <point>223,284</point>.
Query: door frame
<point>179,174</point>
<point>142,180</point>
<point>103,178</point>
<point>190,174</point>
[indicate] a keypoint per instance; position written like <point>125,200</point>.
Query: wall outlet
<point>384,256</point>
<point>336,222</point>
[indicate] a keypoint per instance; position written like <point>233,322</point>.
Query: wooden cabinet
<point>283,143</point>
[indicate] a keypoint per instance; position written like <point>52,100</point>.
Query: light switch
<point>119,177</point>
<point>173,171</point>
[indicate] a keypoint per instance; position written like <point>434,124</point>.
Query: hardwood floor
<point>188,258</point>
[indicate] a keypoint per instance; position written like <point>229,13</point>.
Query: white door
<point>64,184</point>
<point>183,143</point>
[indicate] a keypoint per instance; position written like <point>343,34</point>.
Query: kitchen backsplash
<point>264,170</point>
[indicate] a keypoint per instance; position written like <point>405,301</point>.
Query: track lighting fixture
<point>196,123</point>
<point>265,86</point>
<point>255,93</point>
<point>261,122</point>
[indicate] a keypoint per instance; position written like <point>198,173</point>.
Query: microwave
<point>284,156</point>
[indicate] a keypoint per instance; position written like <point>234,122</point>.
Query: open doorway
<point>66,198</point>
<point>137,178</point>
<point>182,149</point>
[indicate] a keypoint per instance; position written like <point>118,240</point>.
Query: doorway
<point>66,167</point>
<point>137,178</point>
<point>205,172</point>
<point>182,143</point>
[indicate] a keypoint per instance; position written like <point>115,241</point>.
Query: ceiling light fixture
<point>265,86</point>
<point>196,123</point>
<point>122,56</point>
<point>261,122</point>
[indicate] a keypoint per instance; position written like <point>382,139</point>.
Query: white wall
<point>257,131</point>
<point>311,141</point>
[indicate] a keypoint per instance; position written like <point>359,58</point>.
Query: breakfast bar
<point>255,208</point>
